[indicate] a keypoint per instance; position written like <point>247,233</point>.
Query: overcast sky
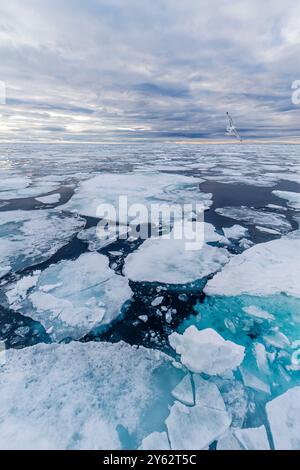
<point>97,70</point>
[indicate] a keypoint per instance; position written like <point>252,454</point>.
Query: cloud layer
<point>121,69</point>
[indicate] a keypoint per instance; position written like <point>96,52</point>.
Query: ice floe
<point>51,199</point>
<point>30,237</point>
<point>82,395</point>
<point>183,392</point>
<point>292,198</point>
<point>72,297</point>
<point>264,269</point>
<point>244,439</point>
<point>284,418</point>
<point>252,216</point>
<point>141,188</point>
<point>155,441</point>
<point>16,187</point>
<point>192,428</point>
<point>206,351</point>
<point>235,232</point>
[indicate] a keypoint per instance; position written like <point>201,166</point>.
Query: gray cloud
<point>98,70</point>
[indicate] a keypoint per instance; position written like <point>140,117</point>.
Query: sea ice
<point>256,217</point>
<point>194,428</point>
<point>169,261</point>
<point>292,198</point>
<point>17,187</point>
<point>208,394</point>
<point>235,232</point>
<point>244,439</point>
<point>264,269</point>
<point>78,395</point>
<point>141,188</point>
<point>155,441</point>
<point>184,391</point>
<point>258,312</point>
<point>51,199</point>
<point>206,351</point>
<point>94,296</point>
<point>30,237</point>
<point>252,381</point>
<point>284,418</point>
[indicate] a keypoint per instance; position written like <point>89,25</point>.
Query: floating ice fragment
<point>235,232</point>
<point>256,217</point>
<point>194,428</point>
<point>208,394</point>
<point>252,381</point>
<point>258,312</point>
<point>184,391</point>
<point>206,351</point>
<point>284,418</point>
<point>267,230</point>
<point>155,441</point>
<point>51,199</point>
<point>292,198</point>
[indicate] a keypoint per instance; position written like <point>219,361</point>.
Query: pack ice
<point>206,351</point>
<point>82,395</point>
<point>264,269</point>
<point>30,237</point>
<point>262,218</point>
<point>72,297</point>
<point>141,188</point>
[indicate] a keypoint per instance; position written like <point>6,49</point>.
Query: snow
<point>194,428</point>
<point>155,441</point>
<point>30,237</point>
<point>264,269</point>
<point>71,309</point>
<point>77,395</point>
<point>206,351</point>
<point>184,391</point>
<point>235,232</point>
<point>256,217</point>
<point>141,188</point>
<point>51,199</point>
<point>292,198</point>
<point>283,414</point>
<point>169,261</point>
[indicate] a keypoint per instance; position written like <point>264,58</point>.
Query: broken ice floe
<point>292,198</point>
<point>83,396</point>
<point>244,439</point>
<point>70,298</point>
<point>284,418</point>
<point>15,187</point>
<point>206,351</point>
<point>235,232</point>
<point>141,188</point>
<point>252,216</point>
<point>264,269</point>
<point>183,392</point>
<point>30,237</point>
<point>155,441</point>
<point>51,199</point>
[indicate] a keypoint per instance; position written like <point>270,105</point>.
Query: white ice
<point>284,418</point>
<point>184,391</point>
<point>264,269</point>
<point>244,439</point>
<point>194,428</point>
<point>207,394</point>
<point>141,188</point>
<point>258,312</point>
<point>235,232</point>
<point>16,187</point>
<point>252,381</point>
<point>51,199</point>
<point>169,261</point>
<point>256,217</point>
<point>292,198</point>
<point>206,351</point>
<point>155,441</point>
<point>30,237</point>
<point>93,297</point>
<point>77,395</point>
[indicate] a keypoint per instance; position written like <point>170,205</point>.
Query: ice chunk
<point>77,395</point>
<point>235,232</point>
<point>168,261</point>
<point>261,357</point>
<point>95,296</point>
<point>256,217</point>
<point>267,230</point>
<point>51,199</point>
<point>23,187</point>
<point>264,269</point>
<point>97,240</point>
<point>206,351</point>
<point>155,441</point>
<point>284,418</point>
<point>30,237</point>
<point>208,394</point>
<point>252,381</point>
<point>157,301</point>
<point>253,438</point>
<point>18,291</point>
<point>228,441</point>
<point>258,312</point>
<point>292,198</point>
<point>142,188</point>
<point>184,391</point>
<point>194,428</point>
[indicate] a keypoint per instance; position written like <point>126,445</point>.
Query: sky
<point>117,70</point>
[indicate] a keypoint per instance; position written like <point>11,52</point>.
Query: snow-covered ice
<point>51,199</point>
<point>155,441</point>
<point>30,237</point>
<point>244,439</point>
<point>292,198</point>
<point>264,269</point>
<point>207,394</point>
<point>184,391</point>
<point>284,418</point>
<point>206,351</point>
<point>235,232</point>
<point>77,395</point>
<point>72,297</point>
<point>194,428</point>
